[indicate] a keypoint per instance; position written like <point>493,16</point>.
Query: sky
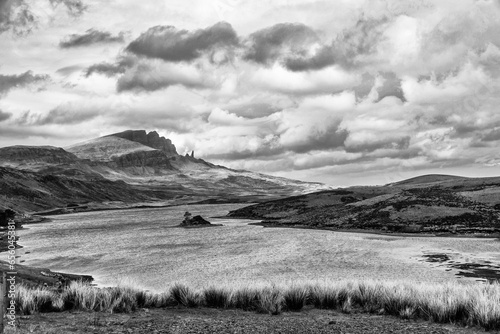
<point>340,92</point>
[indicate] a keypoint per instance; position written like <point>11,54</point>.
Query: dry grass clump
<point>466,305</point>
<point>184,296</point>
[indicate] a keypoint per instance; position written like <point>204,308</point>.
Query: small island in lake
<point>196,221</point>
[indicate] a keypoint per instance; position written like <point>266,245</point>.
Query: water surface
<point>143,246</point>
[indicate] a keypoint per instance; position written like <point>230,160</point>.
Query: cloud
<point>365,87</point>
<point>74,7</point>
<point>19,17</point>
<point>324,57</point>
<point>8,82</point>
<point>318,137</point>
<point>67,114</point>
<point>267,45</point>
<point>354,45</point>
<point>4,116</point>
<point>170,44</point>
<point>16,15</point>
<point>112,69</point>
<point>155,75</point>
<point>329,80</point>
<point>91,36</point>
<point>492,135</point>
<point>390,87</point>
<point>372,143</point>
<point>68,70</point>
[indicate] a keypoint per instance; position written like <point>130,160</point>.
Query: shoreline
<point>59,211</point>
<point>375,232</point>
<point>35,276</point>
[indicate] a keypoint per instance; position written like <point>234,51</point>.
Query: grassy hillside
<point>432,204</point>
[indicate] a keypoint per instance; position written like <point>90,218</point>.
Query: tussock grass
<point>217,297</point>
<point>184,296</point>
<point>296,297</point>
<point>464,305</point>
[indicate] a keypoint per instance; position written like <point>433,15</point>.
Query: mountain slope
<point>130,167</point>
<point>105,149</point>
<point>426,204</point>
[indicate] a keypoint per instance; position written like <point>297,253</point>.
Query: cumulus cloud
<point>376,87</point>
<point>91,36</point>
<point>171,44</point>
<point>8,82</point>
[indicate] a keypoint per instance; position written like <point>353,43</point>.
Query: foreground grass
<point>465,305</point>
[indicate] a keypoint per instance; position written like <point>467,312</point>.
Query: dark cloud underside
<point>64,115</point>
<point>401,143</point>
<point>493,135</point>
<point>327,139</point>
<point>391,87</point>
<point>4,116</point>
<point>90,37</point>
<point>268,44</point>
<point>112,69</point>
<point>170,44</point>
<point>8,82</point>
<point>323,58</point>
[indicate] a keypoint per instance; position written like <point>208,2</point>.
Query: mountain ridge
<point>143,166</point>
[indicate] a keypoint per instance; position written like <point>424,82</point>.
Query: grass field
<point>463,305</point>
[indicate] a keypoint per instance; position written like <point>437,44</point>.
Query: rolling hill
<point>129,168</point>
<point>425,204</point>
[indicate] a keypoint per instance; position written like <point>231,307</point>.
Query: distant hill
<point>425,204</point>
<point>430,178</point>
<point>126,169</point>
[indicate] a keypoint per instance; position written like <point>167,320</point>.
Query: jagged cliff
<point>151,139</point>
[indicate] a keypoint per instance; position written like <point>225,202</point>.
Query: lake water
<point>143,247</point>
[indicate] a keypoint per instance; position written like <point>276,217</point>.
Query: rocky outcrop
<point>36,154</point>
<point>190,221</point>
<point>151,139</point>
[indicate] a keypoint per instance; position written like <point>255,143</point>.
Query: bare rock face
<point>151,139</point>
<point>143,158</point>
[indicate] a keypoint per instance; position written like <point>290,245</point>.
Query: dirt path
<point>203,320</point>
